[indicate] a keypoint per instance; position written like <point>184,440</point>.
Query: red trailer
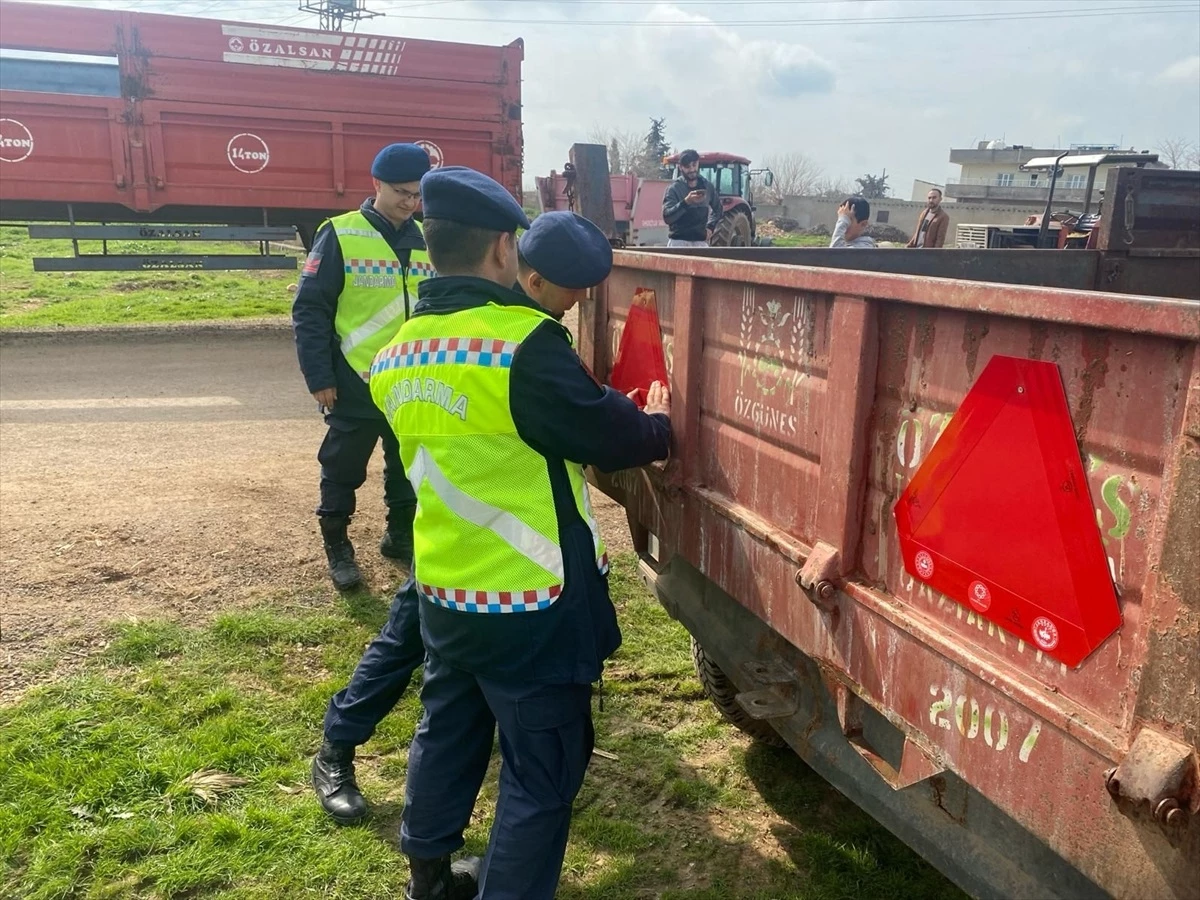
<point>165,119</point>
<point>636,202</point>
<point>819,412</point>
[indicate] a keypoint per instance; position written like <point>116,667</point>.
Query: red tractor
<point>732,175</point>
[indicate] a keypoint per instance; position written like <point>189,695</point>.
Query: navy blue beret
<point>400,163</point>
<point>470,198</point>
<point>568,250</point>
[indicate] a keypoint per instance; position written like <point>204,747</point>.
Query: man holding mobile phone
<point>691,206</point>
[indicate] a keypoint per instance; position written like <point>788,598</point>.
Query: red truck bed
<point>210,121</point>
<point>804,401</point>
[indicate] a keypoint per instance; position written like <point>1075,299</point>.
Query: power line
<point>937,18</point>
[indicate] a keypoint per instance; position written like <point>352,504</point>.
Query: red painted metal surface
<point>232,115</point>
<point>999,518</point>
<point>637,205</point>
<point>804,401</point>
<point>553,193</point>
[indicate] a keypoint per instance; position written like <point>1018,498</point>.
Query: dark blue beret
<point>568,250</point>
<point>470,198</point>
<point>400,163</point>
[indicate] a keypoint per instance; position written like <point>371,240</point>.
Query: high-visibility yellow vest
<point>486,534</point>
<point>372,305</point>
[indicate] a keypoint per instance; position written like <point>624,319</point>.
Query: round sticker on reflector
<point>1045,633</point>
<point>924,563</point>
<point>979,595</point>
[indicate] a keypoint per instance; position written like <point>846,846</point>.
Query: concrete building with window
<point>991,173</point>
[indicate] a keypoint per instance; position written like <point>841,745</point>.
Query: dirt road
<point>164,472</point>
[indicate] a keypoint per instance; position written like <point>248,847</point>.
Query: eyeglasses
<point>409,196</point>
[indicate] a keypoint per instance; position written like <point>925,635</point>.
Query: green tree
<point>657,146</point>
<point>873,187</point>
<point>614,157</point>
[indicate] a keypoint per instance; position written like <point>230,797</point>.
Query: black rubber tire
<point>733,230</point>
<point>722,692</point>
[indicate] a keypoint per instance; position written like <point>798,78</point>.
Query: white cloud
<point>1186,71</point>
<point>691,46</point>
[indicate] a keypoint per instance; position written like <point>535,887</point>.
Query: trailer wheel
<point>722,692</point>
<point>733,230</point>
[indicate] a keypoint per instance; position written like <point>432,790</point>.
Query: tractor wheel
<point>722,692</point>
<point>733,230</point>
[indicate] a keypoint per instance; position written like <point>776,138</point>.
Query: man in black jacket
<point>358,286</point>
<point>691,206</point>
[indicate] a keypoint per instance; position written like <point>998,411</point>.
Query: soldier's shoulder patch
<point>311,264</point>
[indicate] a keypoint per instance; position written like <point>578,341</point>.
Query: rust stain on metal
<point>938,785</point>
<point>1170,691</point>
<point>1095,367</point>
<point>1039,333</point>
<point>975,330</point>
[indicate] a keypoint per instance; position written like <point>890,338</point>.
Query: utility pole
<point>335,13</point>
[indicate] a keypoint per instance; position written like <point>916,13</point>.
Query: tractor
<point>731,175</point>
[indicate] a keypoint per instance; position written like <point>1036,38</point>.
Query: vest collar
<point>407,237</point>
<point>454,293</point>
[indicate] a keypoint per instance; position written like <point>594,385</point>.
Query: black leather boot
<point>333,780</point>
<point>397,541</point>
<point>340,553</point>
<point>439,879</point>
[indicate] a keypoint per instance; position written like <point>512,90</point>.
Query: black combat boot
<point>439,879</point>
<point>397,541</point>
<point>333,780</point>
<point>340,553</point>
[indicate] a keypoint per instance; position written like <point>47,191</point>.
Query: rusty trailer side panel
<point>803,401</point>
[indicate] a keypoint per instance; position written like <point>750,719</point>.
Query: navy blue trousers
<point>381,677</point>
<point>546,741</point>
<point>344,455</point>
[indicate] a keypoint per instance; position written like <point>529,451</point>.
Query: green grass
<point>800,240</point>
<point>98,799</point>
<point>29,299</point>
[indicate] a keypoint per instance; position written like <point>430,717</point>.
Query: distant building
<point>921,189</point>
<point>992,173</point>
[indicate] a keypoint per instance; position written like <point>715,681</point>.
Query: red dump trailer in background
<point>637,205</point>
<point>164,119</point>
<point>806,401</point>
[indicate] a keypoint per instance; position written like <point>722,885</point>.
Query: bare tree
<point>1179,153</point>
<point>795,176</point>
<point>829,188</point>
<point>624,148</point>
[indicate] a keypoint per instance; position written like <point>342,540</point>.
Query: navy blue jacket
<point>315,307</point>
<point>565,415</point>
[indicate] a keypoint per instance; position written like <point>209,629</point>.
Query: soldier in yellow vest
<point>358,286</point>
<point>496,418</point>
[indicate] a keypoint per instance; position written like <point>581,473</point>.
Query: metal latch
<point>1160,772</point>
<point>819,574</point>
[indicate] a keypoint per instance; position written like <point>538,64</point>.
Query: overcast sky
<point>857,85</point>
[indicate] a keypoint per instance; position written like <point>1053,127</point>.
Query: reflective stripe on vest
<point>486,532</point>
<point>372,305</point>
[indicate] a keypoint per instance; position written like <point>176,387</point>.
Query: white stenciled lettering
<point>387,281</point>
<point>426,390</point>
<point>267,48</point>
<point>762,415</point>
<point>996,726</point>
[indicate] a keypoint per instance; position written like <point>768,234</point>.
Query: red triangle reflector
<point>640,360</point>
<point>999,516</point>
